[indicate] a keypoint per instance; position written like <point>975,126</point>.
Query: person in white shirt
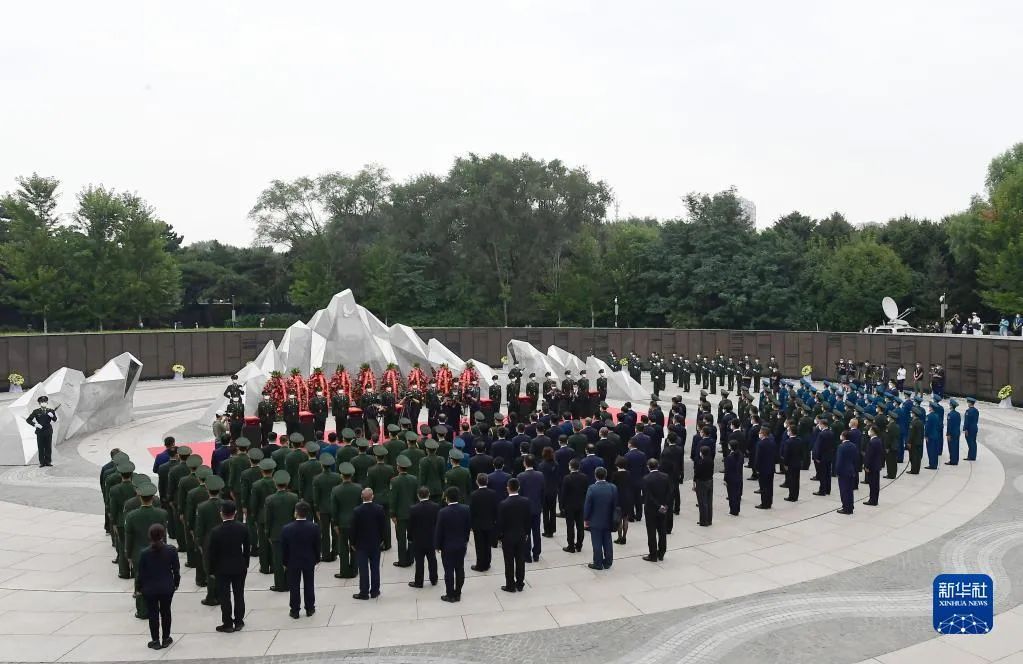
<point>900,377</point>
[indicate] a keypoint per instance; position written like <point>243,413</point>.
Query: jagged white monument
<point>439,354</point>
<point>565,361</point>
<point>531,360</point>
<point>83,405</point>
<point>252,377</point>
<point>408,348</point>
<point>620,385</point>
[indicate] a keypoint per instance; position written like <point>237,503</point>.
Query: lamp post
<point>234,317</point>
<point>616,311</point>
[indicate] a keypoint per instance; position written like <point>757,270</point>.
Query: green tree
<point>851,283</point>
<point>1001,265</point>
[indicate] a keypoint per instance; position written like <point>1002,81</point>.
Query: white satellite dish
<point>891,310</point>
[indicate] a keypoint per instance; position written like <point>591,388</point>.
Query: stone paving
<point>799,583</point>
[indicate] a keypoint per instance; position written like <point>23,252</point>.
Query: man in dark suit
<point>422,528</point>
<point>657,504</point>
<point>846,458</point>
<point>483,513</point>
<point>873,461</point>
<point>531,486</point>
<point>824,453</point>
<point>498,480</point>
<point>481,462</point>
<point>452,539</point>
<point>635,461</point>
<point>300,550</point>
<point>765,461</point>
<point>590,463</point>
<point>598,515</point>
<point>229,562</point>
<point>513,519</point>
<point>573,497</point>
<point>793,461</point>
<point>369,523</point>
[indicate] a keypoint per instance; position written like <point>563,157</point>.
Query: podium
<point>305,424</point>
<point>252,431</point>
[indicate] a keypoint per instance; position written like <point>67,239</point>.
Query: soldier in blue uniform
<point>845,468</point>
<point>952,432</point>
<point>932,436</point>
<point>42,418</point>
<point>970,419</point>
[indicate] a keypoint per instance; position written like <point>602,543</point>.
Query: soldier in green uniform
<point>348,449</point>
<point>318,406</point>
<point>915,441</point>
<point>119,493</point>
<point>280,511</point>
<point>403,496</point>
<point>344,498</point>
<point>413,452</point>
<point>266,411</point>
<point>458,476</point>
<point>378,478</point>
<point>108,477</point>
<point>431,471</point>
<point>339,405</point>
<point>295,458</point>
<point>256,510</point>
<point>362,461</point>
<point>169,497</point>
<point>248,477</point>
<point>280,454</point>
<point>236,465</point>
<point>307,472</point>
<point>136,534</point>
<point>323,485</point>
<point>163,485</point>
<point>290,414</point>
<point>193,498</point>
<point>394,444</point>
<point>207,517</point>
<point>892,440</point>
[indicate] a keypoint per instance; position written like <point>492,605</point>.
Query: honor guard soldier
<point>433,403</point>
<point>915,443</point>
<point>970,421</point>
<point>515,375</point>
<point>582,401</point>
<point>414,398</point>
<point>290,413</point>
<point>323,486</point>
<point>121,491</point>
<point>402,497</point>
<point>431,471</point>
<point>567,392</point>
<point>234,389</point>
<point>267,413</point>
<point>237,465</point>
<point>207,517</point>
<point>318,407</point>
<point>295,457</point>
<point>533,392</point>
<point>280,511</point>
<point>362,461</point>
<point>169,497</point>
<point>549,386</point>
<point>601,386</point>
<point>194,497</point>
<point>684,373</point>
<point>262,488</point>
<point>42,418</point>
<point>676,368</point>
<point>389,405</point>
<point>236,417</point>
<point>494,392</point>
<point>511,393</point>
<point>250,476</point>
<point>308,470</point>
<point>698,369</point>
<point>344,498</point>
<point>339,405</point>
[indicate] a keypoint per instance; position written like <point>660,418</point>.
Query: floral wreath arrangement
<point>178,368</point>
<point>317,381</point>
<point>392,378</point>
<point>1005,392</point>
<point>417,379</point>
<point>341,382</point>
<point>298,385</point>
<point>16,379</point>
<point>365,380</point>
<point>276,389</point>
<point>470,374</point>
<point>624,362</point>
<point>443,378</point>
<point>806,370</point>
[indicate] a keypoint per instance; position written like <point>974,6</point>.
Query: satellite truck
<point>895,319</point>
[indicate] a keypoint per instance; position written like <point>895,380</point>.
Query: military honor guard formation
<point>383,478</point>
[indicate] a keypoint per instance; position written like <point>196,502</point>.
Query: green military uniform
<point>414,453</point>
<point>279,455</point>
<point>362,462</point>
<point>184,485</point>
<point>344,498</point>
<point>261,490</point>
<point>174,476</point>
<point>323,485</point>
<point>394,445</point>
<point>292,463</point>
<point>349,450</point>
<point>207,517</point>
<point>136,533</point>
<point>163,489</point>
<point>431,471</point>
<point>458,477</point>
<point>195,497</point>
<point>237,465</point>
<point>915,441</point>
<point>378,478</point>
<point>248,477</point>
<point>307,472</point>
<point>120,493</point>
<point>403,497</point>
<point>280,511</point>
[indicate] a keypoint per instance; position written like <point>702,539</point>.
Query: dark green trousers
<point>327,549</point>
<point>122,559</point>
<point>345,554</point>
<point>265,554</point>
<point>891,462</point>
<point>280,580</point>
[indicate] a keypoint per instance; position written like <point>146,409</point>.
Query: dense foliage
<point>504,241</point>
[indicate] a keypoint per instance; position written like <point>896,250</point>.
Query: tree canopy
<point>500,240</point>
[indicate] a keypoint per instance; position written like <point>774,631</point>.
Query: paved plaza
<point>798,583</point>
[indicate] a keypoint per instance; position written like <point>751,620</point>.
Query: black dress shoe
<point>239,625</point>
<point>756,491</point>
<point>376,594</point>
<point>293,614</point>
<point>761,507</point>
<point>166,642</point>
<point>870,503</point>
<point>650,559</point>
<point>449,598</point>
<point>520,588</point>
<point>155,645</point>
<point>226,629</point>
<point>844,511</point>
<point>592,566</point>
<point>433,582</point>
<point>209,602</point>
<point>277,589</point>
<point>568,549</point>
<point>548,535</point>
<point>360,596</point>
<point>413,584</point>
<point>791,500</point>
<point>400,564</point>
<point>819,493</point>
<point>310,612</point>
<point>477,568</point>
<point>509,589</point>
<point>813,479</point>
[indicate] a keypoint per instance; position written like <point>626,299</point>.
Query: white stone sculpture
<point>620,386</point>
<point>438,354</point>
<point>408,348</point>
<point>565,361</point>
<point>530,361</point>
<point>252,377</point>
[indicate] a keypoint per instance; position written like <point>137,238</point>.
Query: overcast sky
<point>875,109</point>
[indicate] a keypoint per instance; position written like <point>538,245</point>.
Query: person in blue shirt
<point>905,416</point>
<point>932,436</point>
<point>589,463</point>
<point>940,410</point>
<point>165,456</point>
<point>970,420</point>
<point>221,454</point>
<point>952,432</point>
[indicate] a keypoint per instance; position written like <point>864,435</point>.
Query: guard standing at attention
<point>970,419</point>
<point>952,432</point>
<point>343,500</point>
<point>42,418</point>
<point>266,410</point>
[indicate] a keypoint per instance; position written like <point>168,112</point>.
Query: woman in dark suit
<point>159,575</point>
<point>622,479</point>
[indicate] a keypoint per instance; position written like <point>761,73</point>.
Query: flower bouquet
<point>392,378</point>
<point>1005,397</point>
<point>341,382</point>
<point>442,376</point>
<point>417,379</point>
<point>16,380</point>
<point>365,380</point>
<point>179,371</point>
<point>276,388</point>
<point>298,385</point>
